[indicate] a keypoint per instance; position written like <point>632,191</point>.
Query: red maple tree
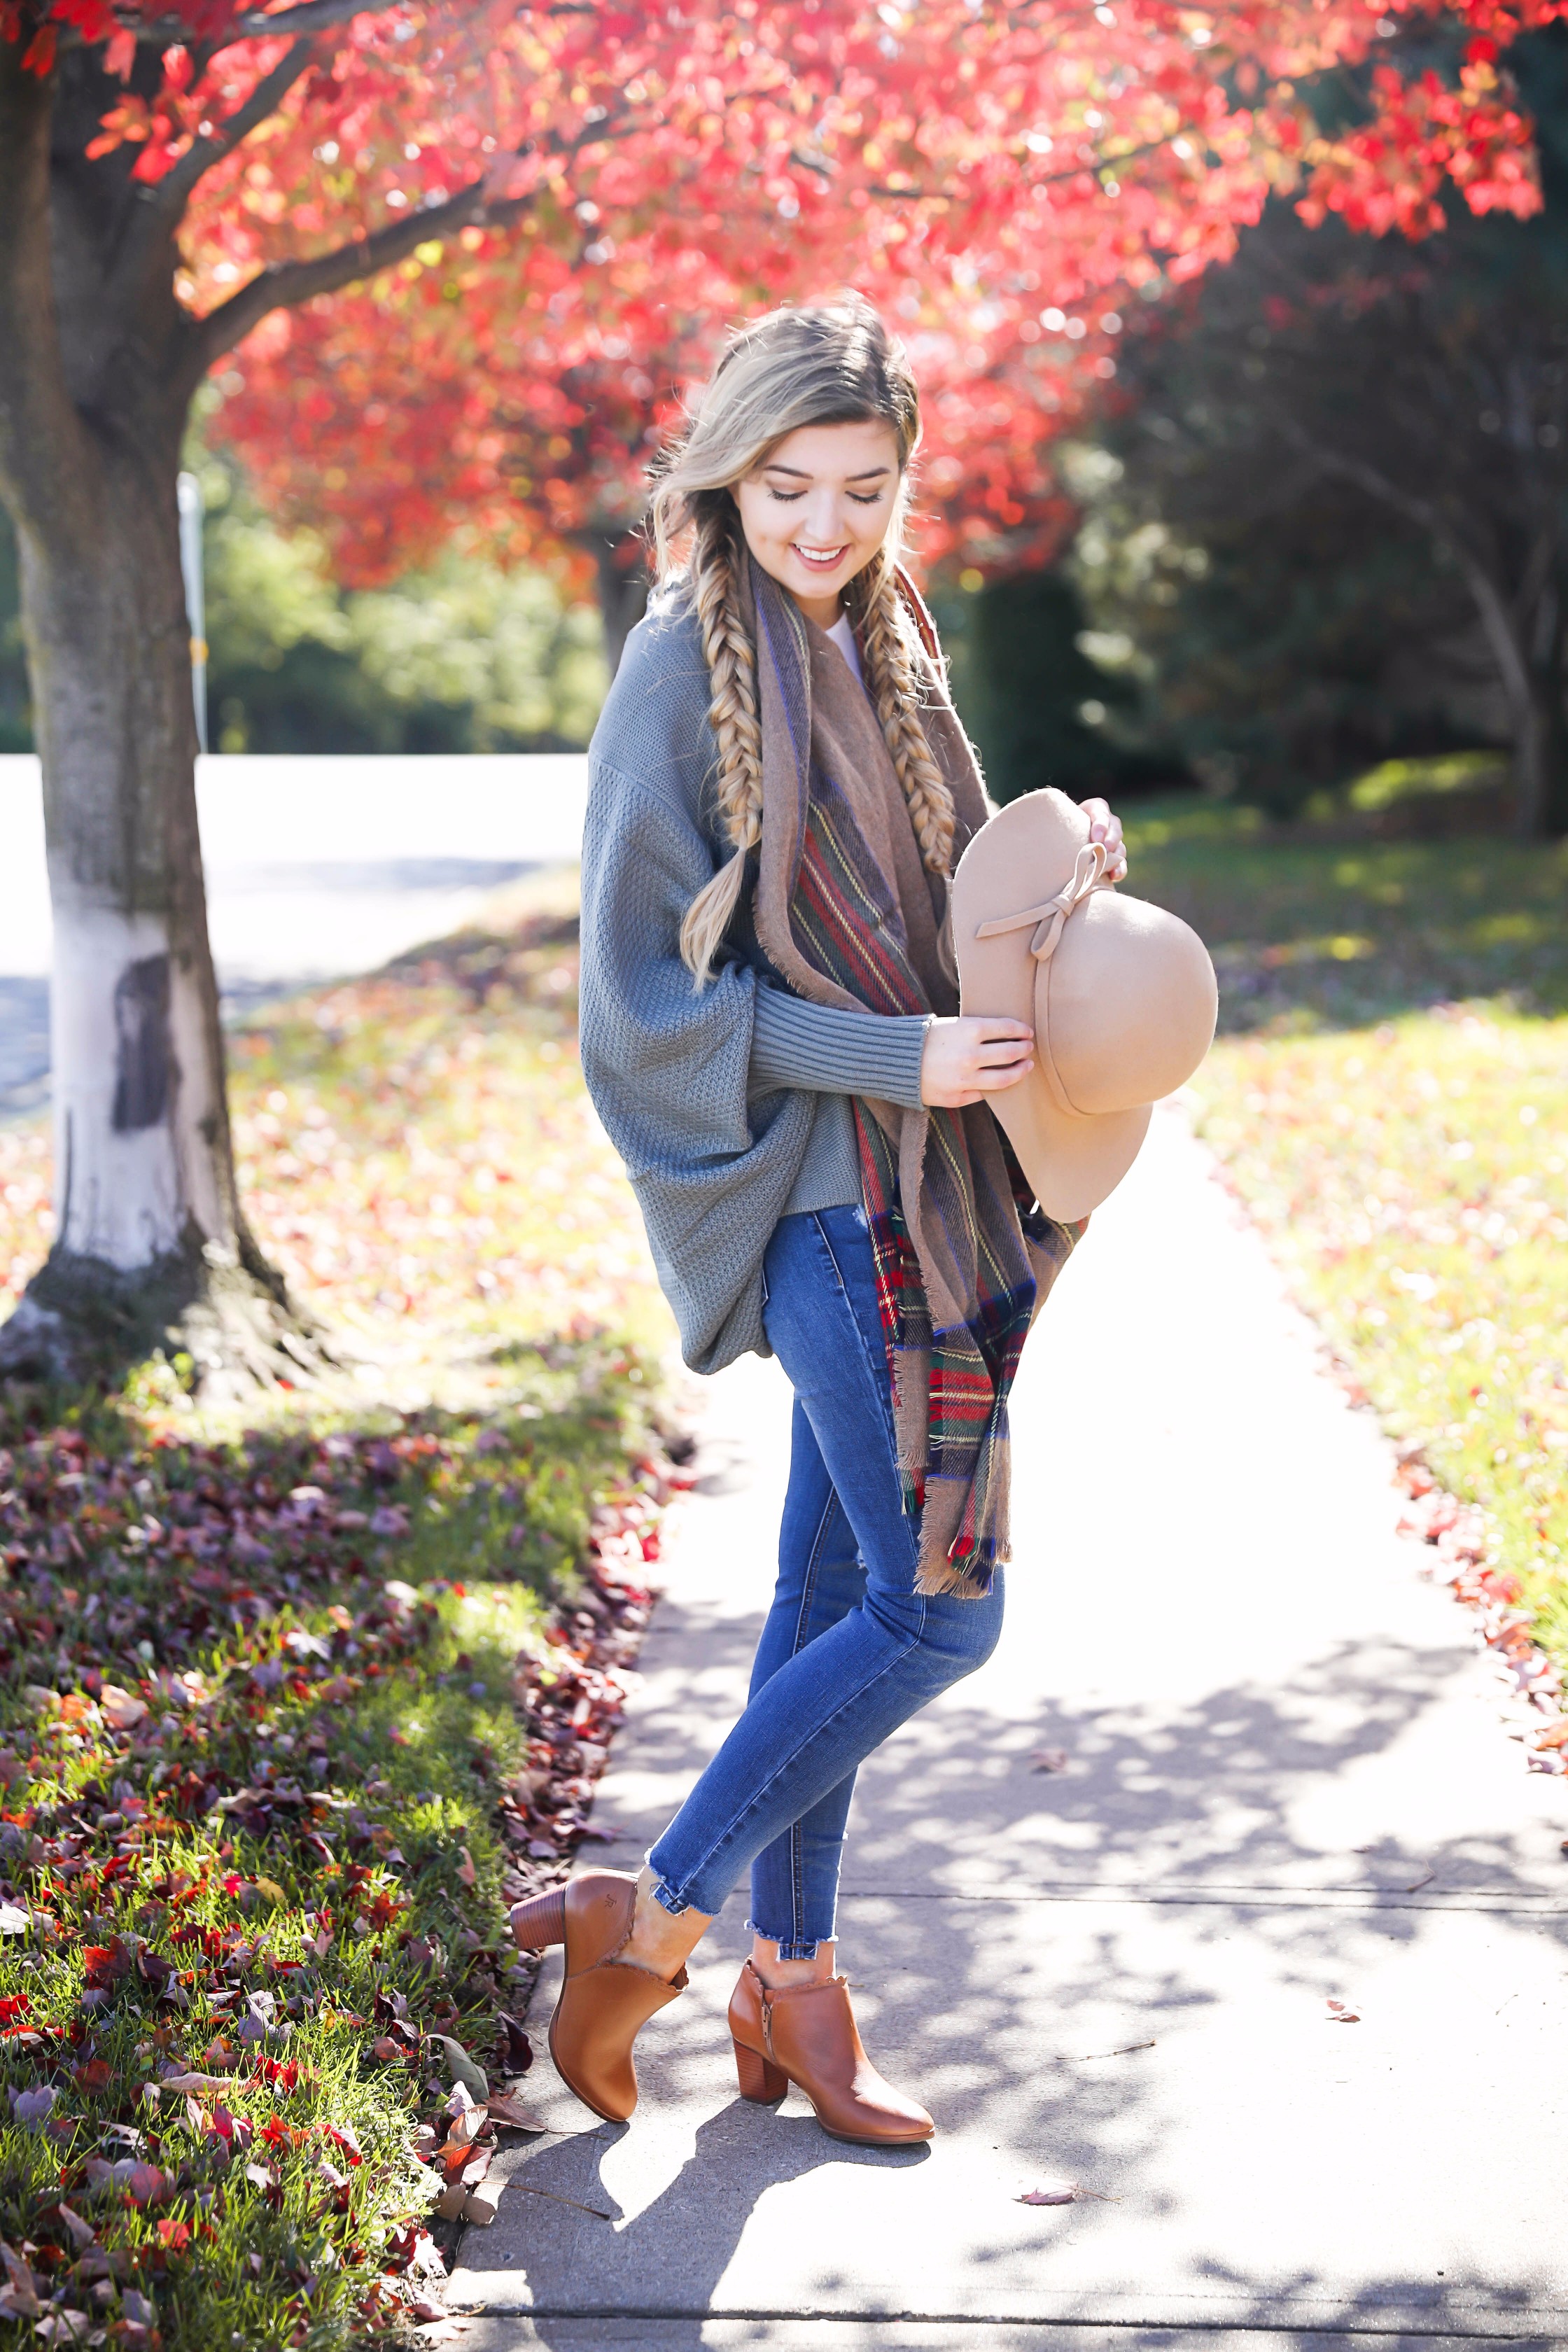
<point>529,198</point>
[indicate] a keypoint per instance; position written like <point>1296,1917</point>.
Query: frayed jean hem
<point>667,1899</point>
<point>797,1949</point>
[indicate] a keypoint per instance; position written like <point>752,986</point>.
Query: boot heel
<point>541,1920</point>
<point>760,2079</point>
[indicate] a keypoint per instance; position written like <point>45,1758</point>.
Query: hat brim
<point>1024,855</point>
<point>1073,1165</point>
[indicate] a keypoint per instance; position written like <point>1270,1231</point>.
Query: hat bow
<point>1050,919</point>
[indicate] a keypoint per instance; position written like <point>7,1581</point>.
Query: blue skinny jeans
<point>850,1650</point>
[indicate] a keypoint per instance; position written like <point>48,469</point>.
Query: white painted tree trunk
<point>136,1101</point>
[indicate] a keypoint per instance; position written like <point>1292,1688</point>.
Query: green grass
<point>1388,1094</point>
<point>293,1701</point>
<point>1308,934</point>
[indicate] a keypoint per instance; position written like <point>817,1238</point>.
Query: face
<point>818,509</point>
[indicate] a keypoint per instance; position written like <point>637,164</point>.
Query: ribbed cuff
<point>826,1049</point>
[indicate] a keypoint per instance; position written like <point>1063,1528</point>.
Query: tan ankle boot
<point>806,2034</point>
<point>604,2000</point>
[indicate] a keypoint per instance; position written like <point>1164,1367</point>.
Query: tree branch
<point>1489,599</point>
<point>156,213</point>
<point>309,16</point>
<point>285,284</point>
<point>174,190</point>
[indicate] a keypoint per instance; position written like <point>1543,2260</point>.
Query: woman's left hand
<point>1103,826</point>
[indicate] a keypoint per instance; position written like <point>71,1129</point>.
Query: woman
<point>780,791</point>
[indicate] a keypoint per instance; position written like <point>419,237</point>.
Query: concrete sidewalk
<point>1288,1783</point>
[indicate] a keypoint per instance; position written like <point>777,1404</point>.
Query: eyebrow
<point>867,474</point>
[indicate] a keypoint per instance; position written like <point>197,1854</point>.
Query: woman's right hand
<point>972,1057</point>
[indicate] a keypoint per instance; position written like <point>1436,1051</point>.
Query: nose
<point>823,522</point>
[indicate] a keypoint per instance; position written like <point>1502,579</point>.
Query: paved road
<point>316,867</point>
<point>1289,1783</point>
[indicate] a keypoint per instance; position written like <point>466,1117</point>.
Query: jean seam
<point>851,1699</point>
<point>796,1842</point>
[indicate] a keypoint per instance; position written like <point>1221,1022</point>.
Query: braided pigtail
<point>733,714</point>
<point>892,674</point>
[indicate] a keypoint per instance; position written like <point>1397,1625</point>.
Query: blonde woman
<point>780,791</point>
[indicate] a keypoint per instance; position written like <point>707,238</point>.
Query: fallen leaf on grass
<point>65,2327</point>
<point>82,2231</point>
<point>121,1711</point>
<point>514,2051</point>
<point>1340,2013</point>
<point>463,2068</point>
<point>144,2183</point>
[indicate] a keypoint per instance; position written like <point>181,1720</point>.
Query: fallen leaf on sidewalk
<point>1125,2050</point>
<point>1340,2013</point>
<point>1063,2192</point>
<point>1049,1759</point>
<point>507,2111</point>
<point>528,2189</point>
<point>1417,1883</point>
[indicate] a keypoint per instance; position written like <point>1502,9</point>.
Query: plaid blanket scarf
<point>847,913</point>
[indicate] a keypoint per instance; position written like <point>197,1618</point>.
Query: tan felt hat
<point>1120,995</point>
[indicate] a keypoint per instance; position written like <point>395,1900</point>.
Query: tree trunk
<point>623,591</point>
<point>150,1245</point>
<point>1533,696</point>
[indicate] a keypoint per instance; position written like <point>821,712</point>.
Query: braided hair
<point>713,576</point>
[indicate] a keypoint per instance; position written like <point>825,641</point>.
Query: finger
<point>1003,1056</point>
<point>996,1082</point>
<point>993,1030</point>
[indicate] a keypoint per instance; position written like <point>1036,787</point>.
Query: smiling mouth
<point>819,559</point>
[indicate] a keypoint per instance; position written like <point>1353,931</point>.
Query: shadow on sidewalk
<point>1118,1974</point>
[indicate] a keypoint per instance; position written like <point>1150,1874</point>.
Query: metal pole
<point>190,493</point>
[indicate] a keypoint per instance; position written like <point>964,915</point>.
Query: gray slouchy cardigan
<point>729,1108</point>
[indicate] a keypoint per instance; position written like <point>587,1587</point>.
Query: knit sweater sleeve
<point>667,1064</point>
<point>827,1049</point>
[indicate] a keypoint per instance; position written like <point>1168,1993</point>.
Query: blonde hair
<point>832,363</point>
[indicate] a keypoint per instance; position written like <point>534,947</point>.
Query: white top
<point>843,636</point>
